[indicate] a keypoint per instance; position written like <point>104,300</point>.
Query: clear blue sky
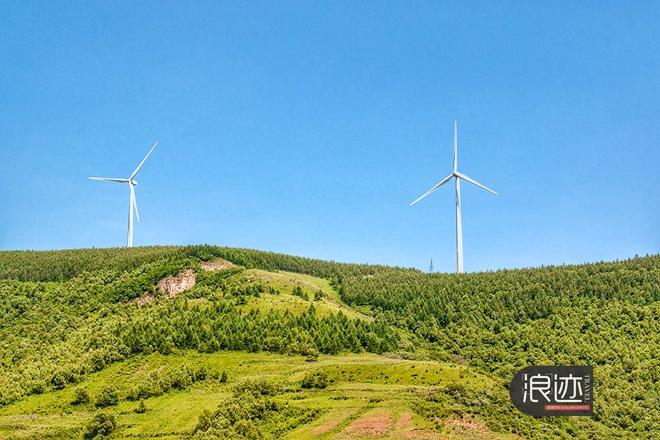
<point>308,127</point>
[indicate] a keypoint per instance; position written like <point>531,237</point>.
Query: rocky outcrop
<point>172,286</point>
<point>218,264</point>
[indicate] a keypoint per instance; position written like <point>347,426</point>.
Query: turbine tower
<point>131,200</point>
<point>458,176</point>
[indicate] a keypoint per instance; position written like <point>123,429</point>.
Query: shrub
<point>141,408</point>
<point>256,387</point>
<point>102,424</point>
<point>297,291</point>
<point>108,397</point>
<point>58,380</point>
<point>317,379</point>
<point>81,396</point>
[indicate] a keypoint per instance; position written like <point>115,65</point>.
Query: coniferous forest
<point>70,322</point>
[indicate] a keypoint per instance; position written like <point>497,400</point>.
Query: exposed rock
<point>145,299</point>
<point>458,359</point>
<point>218,264</point>
<point>172,286</point>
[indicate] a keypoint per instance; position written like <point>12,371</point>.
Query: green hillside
<point>272,346</point>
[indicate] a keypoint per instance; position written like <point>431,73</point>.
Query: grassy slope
<point>285,282</point>
<point>361,386</point>
<point>368,395</point>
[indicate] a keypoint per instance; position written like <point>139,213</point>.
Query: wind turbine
<point>458,176</point>
<point>131,201</point>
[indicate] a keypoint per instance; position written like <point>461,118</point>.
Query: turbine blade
<point>107,179</point>
<point>137,215</point>
<point>455,146</point>
<point>143,161</point>
<point>445,180</point>
<point>467,179</point>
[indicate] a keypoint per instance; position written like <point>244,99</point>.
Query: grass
<point>285,282</point>
<point>367,396</point>
<point>360,385</point>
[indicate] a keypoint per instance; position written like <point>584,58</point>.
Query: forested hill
<point>67,314</point>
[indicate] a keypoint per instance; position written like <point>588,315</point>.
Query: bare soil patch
<point>334,422</point>
<point>404,420</point>
<point>464,424</point>
<point>140,370</point>
<point>327,426</point>
<point>423,433</point>
<point>370,424</point>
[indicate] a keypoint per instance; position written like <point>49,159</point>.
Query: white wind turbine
<point>458,176</point>
<point>131,201</point>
